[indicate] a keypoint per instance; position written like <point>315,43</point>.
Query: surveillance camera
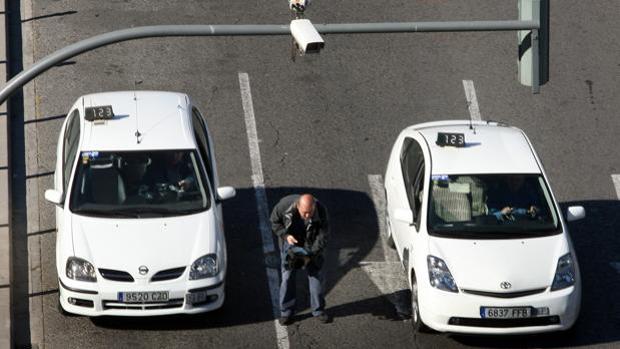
<point>306,37</point>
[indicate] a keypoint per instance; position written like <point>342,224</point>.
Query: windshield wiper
<point>161,211</point>
<point>105,213</point>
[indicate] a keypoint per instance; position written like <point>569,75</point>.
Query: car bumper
<point>460,312</point>
<point>101,299</point>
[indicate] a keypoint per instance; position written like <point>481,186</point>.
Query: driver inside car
<point>171,172</point>
<point>514,197</point>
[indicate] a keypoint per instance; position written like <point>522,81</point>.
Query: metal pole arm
<point>411,27</point>
<point>247,30</point>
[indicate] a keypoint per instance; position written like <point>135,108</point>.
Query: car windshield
<point>139,184</point>
<point>491,206</point>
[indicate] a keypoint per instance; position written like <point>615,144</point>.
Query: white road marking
<point>258,181</point>
<point>616,179</point>
<point>472,100</point>
<point>387,275</point>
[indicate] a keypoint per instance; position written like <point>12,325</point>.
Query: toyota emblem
<point>143,270</point>
<point>505,285</point>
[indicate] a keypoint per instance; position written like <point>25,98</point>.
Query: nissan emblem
<point>143,270</point>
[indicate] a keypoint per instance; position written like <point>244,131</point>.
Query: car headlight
<point>564,273</point>
<point>204,267</point>
<point>80,270</point>
<point>439,275</point>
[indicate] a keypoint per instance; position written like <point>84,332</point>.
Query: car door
<point>408,196</point>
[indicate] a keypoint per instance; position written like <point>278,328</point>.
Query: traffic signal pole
<point>251,30</point>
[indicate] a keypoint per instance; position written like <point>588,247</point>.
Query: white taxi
<point>138,207</point>
<point>477,228</point>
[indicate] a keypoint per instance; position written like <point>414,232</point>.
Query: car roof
<point>490,147</point>
<point>162,119</point>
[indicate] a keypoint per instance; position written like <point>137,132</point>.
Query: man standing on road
<point>300,221</point>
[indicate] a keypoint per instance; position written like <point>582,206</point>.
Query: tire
<point>416,321</point>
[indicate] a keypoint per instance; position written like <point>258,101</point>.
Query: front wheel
<point>416,320</point>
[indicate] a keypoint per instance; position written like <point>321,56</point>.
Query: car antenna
<point>135,98</point>
<point>471,120</point>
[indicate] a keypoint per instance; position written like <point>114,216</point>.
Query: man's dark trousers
<point>287,288</point>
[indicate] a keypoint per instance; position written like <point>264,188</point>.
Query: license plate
<point>505,313</point>
<point>143,297</point>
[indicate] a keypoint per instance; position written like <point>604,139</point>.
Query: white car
<point>138,207</point>
<point>478,231</point>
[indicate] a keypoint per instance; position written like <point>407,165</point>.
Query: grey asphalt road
<point>325,123</point>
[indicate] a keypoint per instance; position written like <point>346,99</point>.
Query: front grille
<point>504,323</point>
<point>116,275</point>
<point>505,294</point>
<point>168,274</point>
<point>115,304</point>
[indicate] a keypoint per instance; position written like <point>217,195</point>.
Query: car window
<point>418,193</point>
<point>412,160</point>
<point>491,206</point>
<point>139,183</point>
<point>203,144</point>
<point>70,145</point>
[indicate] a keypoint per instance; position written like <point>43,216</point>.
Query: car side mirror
<point>225,193</point>
<point>404,215</point>
<point>54,196</point>
<point>575,213</point>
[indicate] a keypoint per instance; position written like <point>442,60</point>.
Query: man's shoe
<point>285,320</point>
<point>324,318</point>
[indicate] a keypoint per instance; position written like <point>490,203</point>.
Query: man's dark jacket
<point>285,215</point>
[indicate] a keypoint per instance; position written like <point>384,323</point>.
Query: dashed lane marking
<point>472,100</point>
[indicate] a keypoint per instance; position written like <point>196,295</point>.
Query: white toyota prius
<point>479,232</point>
<point>138,207</point>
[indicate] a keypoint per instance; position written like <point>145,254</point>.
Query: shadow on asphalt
<point>353,227</point>
<point>379,307</point>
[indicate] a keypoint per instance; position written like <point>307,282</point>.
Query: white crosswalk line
<point>273,275</point>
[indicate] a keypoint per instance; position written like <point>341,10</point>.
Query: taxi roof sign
<point>101,112</point>
<point>450,139</point>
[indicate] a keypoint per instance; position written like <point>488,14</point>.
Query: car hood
<point>482,265</point>
<point>157,243</point>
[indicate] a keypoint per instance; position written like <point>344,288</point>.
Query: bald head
<point>306,206</point>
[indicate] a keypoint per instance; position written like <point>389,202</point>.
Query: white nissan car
<point>479,232</point>
<point>138,207</point>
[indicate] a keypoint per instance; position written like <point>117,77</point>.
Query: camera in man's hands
<point>296,260</point>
